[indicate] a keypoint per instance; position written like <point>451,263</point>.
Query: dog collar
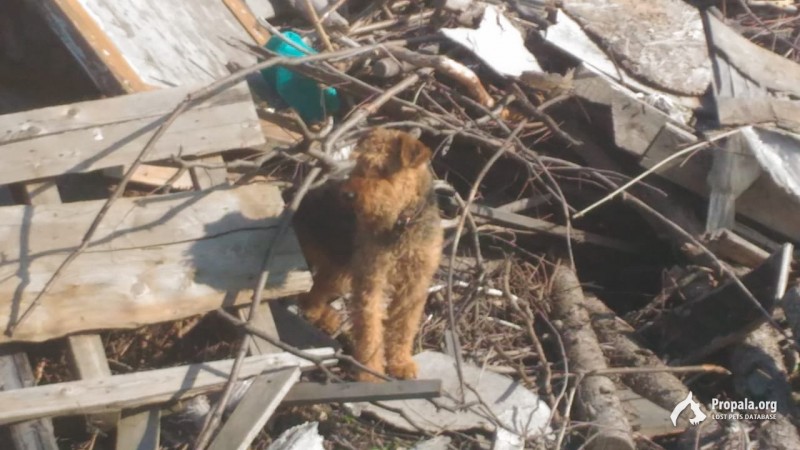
<point>413,214</point>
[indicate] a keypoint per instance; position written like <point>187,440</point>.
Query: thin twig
<point>312,13</point>
<point>660,164</point>
<point>706,368</point>
<point>460,228</point>
<point>362,112</point>
<point>213,421</point>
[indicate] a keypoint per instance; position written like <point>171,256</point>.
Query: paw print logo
<point>699,416</point>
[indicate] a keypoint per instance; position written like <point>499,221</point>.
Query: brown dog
<point>376,234</point>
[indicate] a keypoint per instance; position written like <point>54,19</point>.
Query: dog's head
<point>391,176</point>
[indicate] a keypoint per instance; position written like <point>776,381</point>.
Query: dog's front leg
<point>369,287</point>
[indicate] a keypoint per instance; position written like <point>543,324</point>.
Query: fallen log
<point>662,388</point>
<point>597,401</point>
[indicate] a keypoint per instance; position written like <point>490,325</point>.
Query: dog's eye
<point>349,195</point>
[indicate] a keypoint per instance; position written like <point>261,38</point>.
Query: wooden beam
<point>34,434</point>
<point>88,360</point>
<point>245,17</point>
<point>309,393</point>
<point>154,259</point>
<point>264,395</point>
<point>543,226</point>
<point>137,389</point>
<point>139,430</point>
<point>86,353</point>
<point>105,133</point>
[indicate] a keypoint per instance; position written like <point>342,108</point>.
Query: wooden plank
<point>256,407</point>
<point>159,50</point>
<point>139,431</point>
<point>205,178</point>
<point>88,360</point>
<point>96,135</point>
<point>732,247</point>
<point>245,17</point>
<point>531,223</point>
<point>635,123</point>
<point>265,322</point>
<point>15,373</point>
<point>138,389</point>
<point>153,259</point>
<point>86,353</point>
<point>153,176</point>
<point>309,393</point>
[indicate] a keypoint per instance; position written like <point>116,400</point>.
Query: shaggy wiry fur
<point>376,234</point>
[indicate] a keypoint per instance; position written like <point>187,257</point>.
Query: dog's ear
<point>413,153</point>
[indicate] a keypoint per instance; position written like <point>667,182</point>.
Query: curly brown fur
<point>376,234</point>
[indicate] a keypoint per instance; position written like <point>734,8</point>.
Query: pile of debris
<point>619,182</point>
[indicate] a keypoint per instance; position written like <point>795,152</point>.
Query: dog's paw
<point>404,370</point>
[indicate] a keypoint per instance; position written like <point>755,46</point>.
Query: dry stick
<point>362,112</point>
<point>766,27</point>
<point>539,114</point>
<point>191,99</point>
<point>326,41</point>
<point>319,362</point>
<point>528,315</point>
<point>459,229</point>
<point>331,9</point>
<point>451,68</point>
<point>706,368</point>
<point>647,172</point>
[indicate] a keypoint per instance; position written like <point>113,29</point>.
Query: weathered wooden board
<point>15,373</point>
<point>152,259</point>
<point>111,132</point>
<point>549,228</point>
<point>137,389</point>
<point>261,400</point>
<point>310,393</point>
<point>150,42</point>
<point>635,122</point>
<point>139,431</point>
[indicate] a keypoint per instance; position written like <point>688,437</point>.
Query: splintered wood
<point>153,259</point>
